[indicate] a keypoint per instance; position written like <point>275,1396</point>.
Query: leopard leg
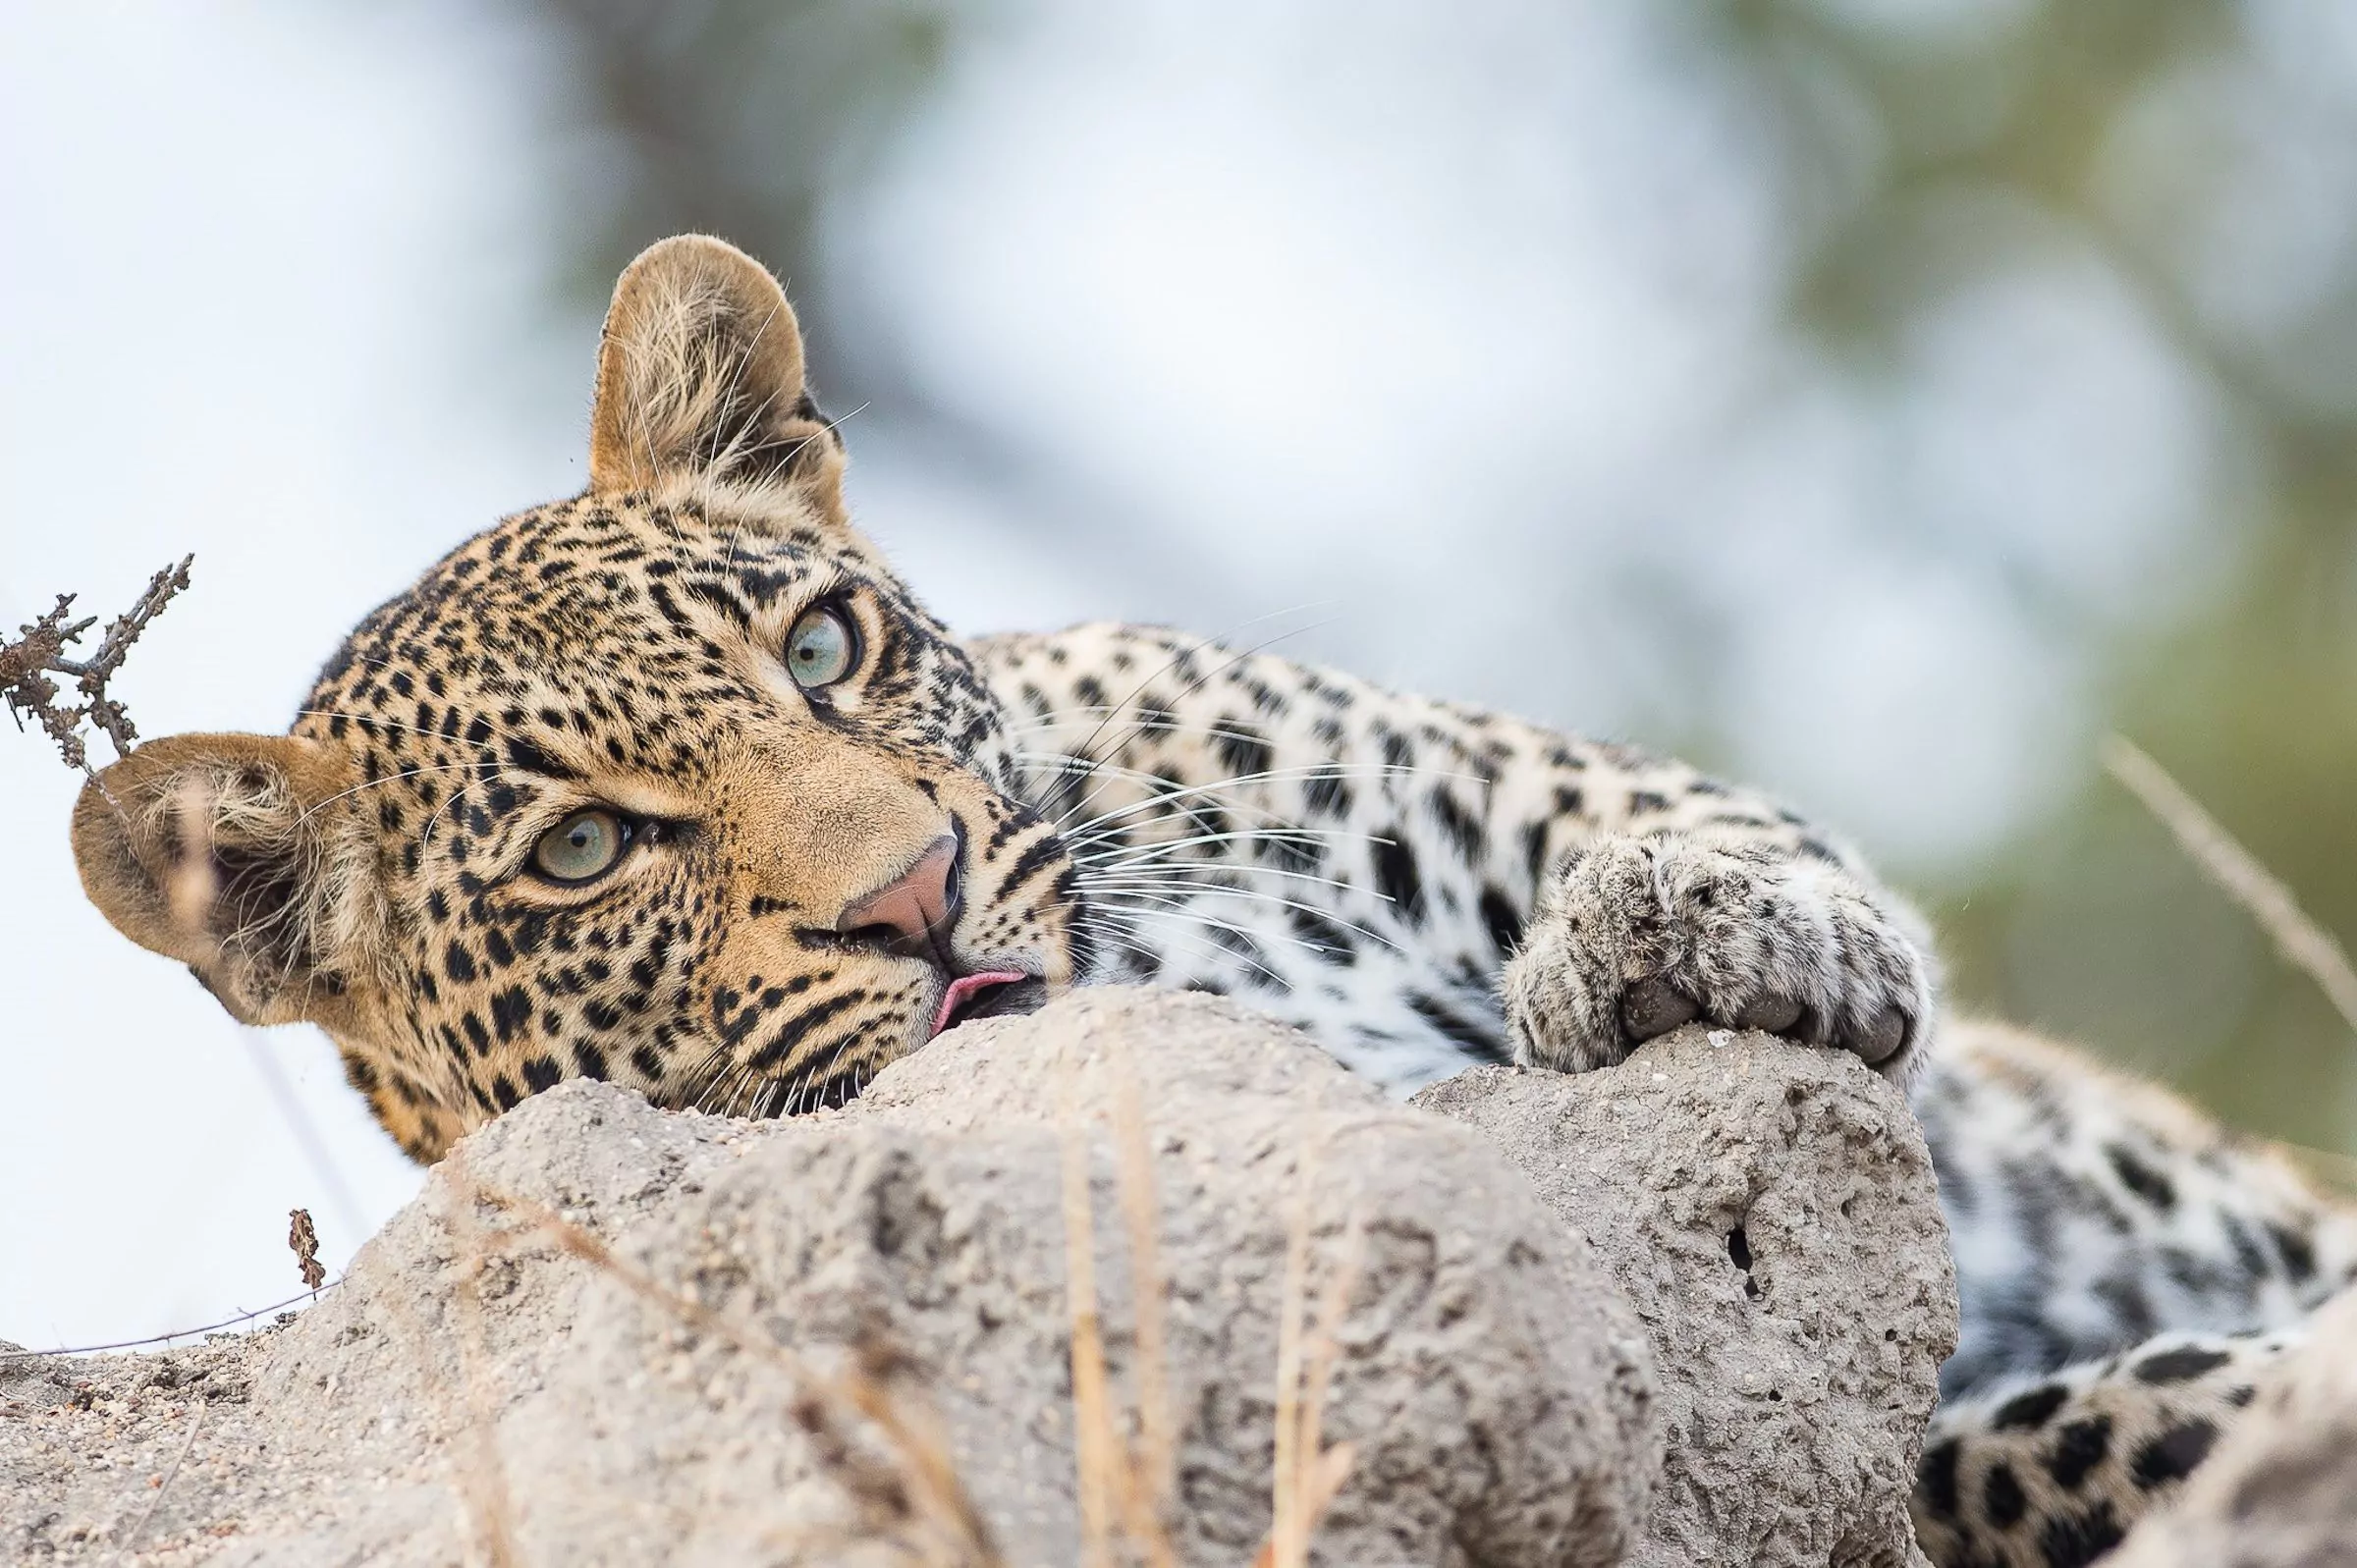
<point>2090,1212</point>
<point>1745,927</point>
<point>2054,1471</point>
<point>2126,1267</point>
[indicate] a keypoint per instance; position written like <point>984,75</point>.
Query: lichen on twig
<point>38,654</point>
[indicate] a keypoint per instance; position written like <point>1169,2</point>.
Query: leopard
<point>676,783</point>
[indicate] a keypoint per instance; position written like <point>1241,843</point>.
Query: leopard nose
<point>913,914</point>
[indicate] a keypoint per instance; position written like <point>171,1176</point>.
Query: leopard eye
<point>583,847</point>
<point>821,649</point>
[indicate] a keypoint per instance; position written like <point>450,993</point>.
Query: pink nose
<point>911,915</point>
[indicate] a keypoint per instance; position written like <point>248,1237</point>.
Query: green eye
<point>821,649</point>
<point>583,847</point>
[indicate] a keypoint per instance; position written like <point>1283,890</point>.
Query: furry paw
<point>1638,936</point>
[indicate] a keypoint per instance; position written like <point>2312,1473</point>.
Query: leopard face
<point>672,783</point>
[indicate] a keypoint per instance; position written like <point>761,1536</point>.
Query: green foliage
<point>2092,924</point>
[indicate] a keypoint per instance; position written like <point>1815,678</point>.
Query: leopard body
<point>1418,884</point>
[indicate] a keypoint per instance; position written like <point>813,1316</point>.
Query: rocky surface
<point>471,1392</point>
<point>606,1333</point>
<point>1770,1211</point>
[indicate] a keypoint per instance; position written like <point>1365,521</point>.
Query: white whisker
<point>1181,911</point>
<point>1165,795</point>
<point>1177,870</point>
<point>1203,646</point>
<point>1135,941</point>
<point>1156,893</point>
<point>1163,848</point>
<point>371,783</point>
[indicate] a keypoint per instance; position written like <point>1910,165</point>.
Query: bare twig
<point>39,652</point>
<point>2304,944</point>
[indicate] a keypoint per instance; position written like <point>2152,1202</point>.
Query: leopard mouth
<point>988,994</point>
<point>984,994</point>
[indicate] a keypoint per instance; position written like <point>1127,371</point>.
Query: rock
<point>2281,1491</point>
<point>1493,1385</point>
<point>475,1391</point>
<point>1771,1211</point>
<point>80,1435</point>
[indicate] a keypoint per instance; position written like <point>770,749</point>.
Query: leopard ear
<point>241,856</point>
<point>700,376</point>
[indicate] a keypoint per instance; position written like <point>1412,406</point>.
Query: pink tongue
<point>965,986</point>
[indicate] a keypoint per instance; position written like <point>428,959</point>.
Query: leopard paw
<point>1635,936</point>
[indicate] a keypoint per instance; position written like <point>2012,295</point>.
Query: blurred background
<point>1877,399</point>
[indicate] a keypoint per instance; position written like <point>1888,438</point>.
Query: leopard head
<point>673,782</point>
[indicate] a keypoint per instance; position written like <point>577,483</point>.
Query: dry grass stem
<point>131,1538</point>
<point>2306,945</point>
<point>1152,1474</point>
<point>1318,1488</point>
<point>1307,1475</point>
<point>421,1346</point>
<point>1094,1440</point>
<point>1124,1488</point>
<point>2337,1172</point>
<point>1325,1345</point>
<point>1289,1535</point>
<point>484,1485</point>
<point>7,1356</point>
<point>917,1491</point>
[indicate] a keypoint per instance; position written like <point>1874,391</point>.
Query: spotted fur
<point>2051,1472</point>
<point>1421,885</point>
<point>2125,1270</point>
<point>1418,884</point>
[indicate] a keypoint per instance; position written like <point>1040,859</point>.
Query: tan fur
<point>166,821</point>
<point>373,872</point>
<point>700,373</point>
